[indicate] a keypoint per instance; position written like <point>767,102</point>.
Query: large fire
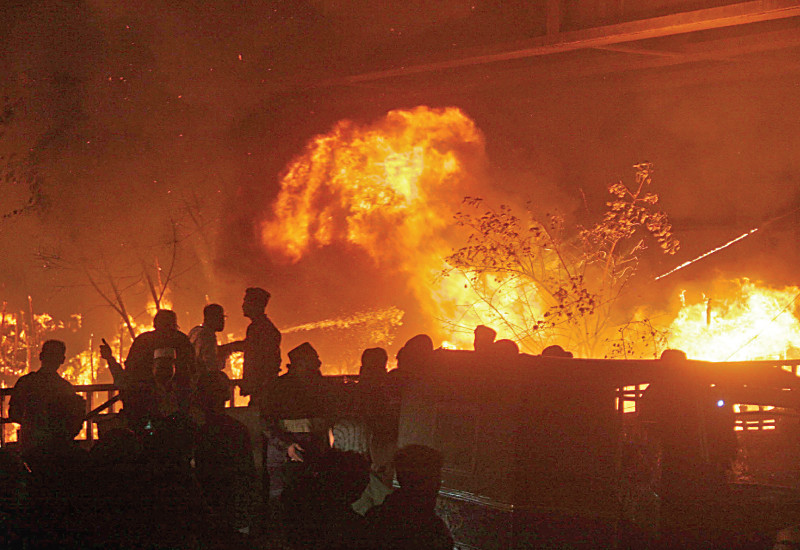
<point>744,321</point>
<point>391,188</point>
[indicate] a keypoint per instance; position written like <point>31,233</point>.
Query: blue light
<point>720,403</point>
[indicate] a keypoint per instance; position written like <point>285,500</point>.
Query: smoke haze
<point>176,121</point>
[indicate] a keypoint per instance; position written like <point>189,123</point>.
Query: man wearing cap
<point>261,346</point>
<point>294,410</point>
<point>165,334</point>
<point>148,397</point>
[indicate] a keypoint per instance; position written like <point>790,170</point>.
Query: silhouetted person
<point>380,426</point>
<point>50,414</point>
<point>210,355</point>
<point>166,398</point>
<point>373,366</point>
<point>223,462</point>
<point>505,348</point>
<point>412,360</point>
<point>407,519</point>
<point>44,404</point>
<point>165,334</point>
<point>369,431</point>
<point>261,346</point>
<point>414,356</point>
<point>294,410</point>
<point>173,518</point>
<point>695,428</point>
<point>149,462</point>
<point>372,392</point>
<point>355,409</point>
<point>148,398</point>
<point>484,338</point>
<point>556,351</point>
<point>318,505</point>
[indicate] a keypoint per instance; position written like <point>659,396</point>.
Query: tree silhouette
<point>545,283</point>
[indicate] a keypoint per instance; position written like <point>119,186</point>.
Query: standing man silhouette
<point>44,404</point>
<point>262,363</point>
<point>261,346</point>
<point>210,355</point>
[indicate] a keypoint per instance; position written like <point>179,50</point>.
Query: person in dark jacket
<point>318,504</point>
<point>165,335</point>
<point>380,425</point>
<point>153,397</point>
<point>407,519</point>
<point>294,411</point>
<point>51,415</point>
<point>44,404</point>
<point>224,462</point>
<point>261,346</point>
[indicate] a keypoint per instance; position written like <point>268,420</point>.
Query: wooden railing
<point>96,395</point>
<point>102,400</point>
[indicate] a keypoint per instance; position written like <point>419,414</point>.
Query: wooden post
<point>3,359</point>
<point>90,422</point>
<point>33,335</point>
<point>27,341</point>
<point>2,416</point>
<point>91,358</point>
<point>16,341</point>
<point>121,336</point>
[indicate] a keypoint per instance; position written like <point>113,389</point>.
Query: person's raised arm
<point>117,372</point>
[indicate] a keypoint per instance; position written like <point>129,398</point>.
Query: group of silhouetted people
<point>312,462</point>
<point>175,469</point>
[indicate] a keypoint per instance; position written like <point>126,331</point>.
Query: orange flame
<point>748,321</point>
<point>390,188</point>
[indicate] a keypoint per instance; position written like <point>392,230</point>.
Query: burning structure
<point>542,105</point>
<point>169,147</point>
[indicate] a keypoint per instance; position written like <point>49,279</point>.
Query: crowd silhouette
<point>302,466</point>
<point>175,469</point>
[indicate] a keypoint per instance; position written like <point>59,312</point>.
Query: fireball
<point>391,188</point>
